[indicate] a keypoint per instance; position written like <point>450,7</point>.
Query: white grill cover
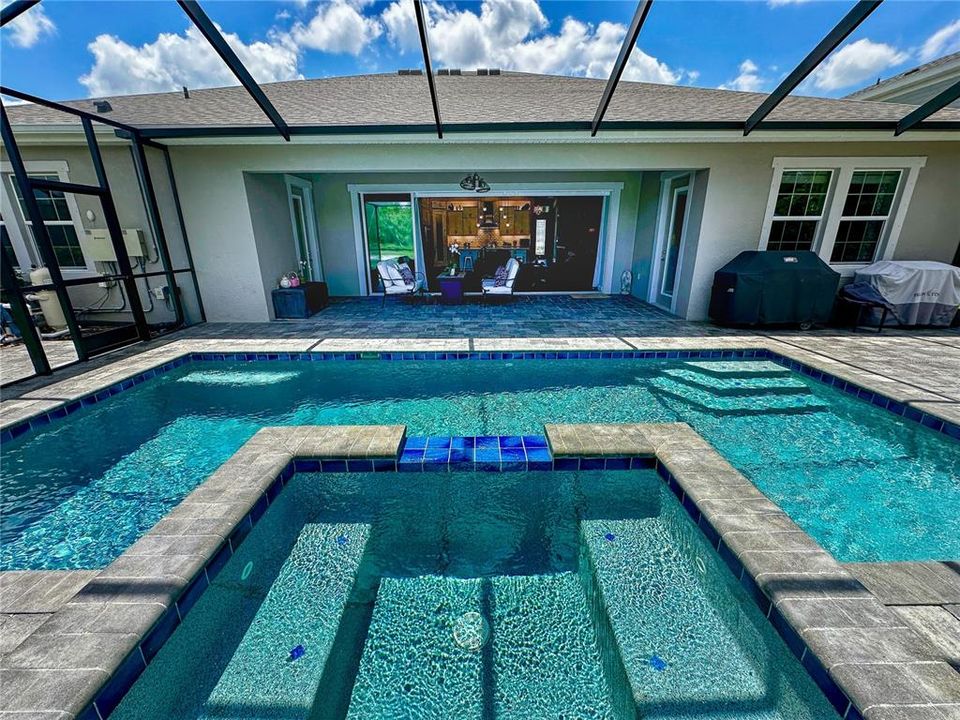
<point>922,292</point>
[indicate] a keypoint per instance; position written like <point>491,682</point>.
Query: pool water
<point>462,595</point>
<point>868,485</point>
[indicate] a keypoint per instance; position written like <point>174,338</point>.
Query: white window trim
<point>843,169</point>
<point>821,219</point>
<point>662,225</point>
<point>20,243</point>
<point>606,254</point>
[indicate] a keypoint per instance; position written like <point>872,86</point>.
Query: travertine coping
<point>87,645</point>
<point>829,620</point>
<point>62,392</point>
<point>846,639</point>
<point>598,440</point>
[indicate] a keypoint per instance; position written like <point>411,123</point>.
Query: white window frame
<point>606,253</point>
<point>664,217</point>
<point>843,169</point>
<point>820,219</point>
<point>865,218</point>
<point>25,247</point>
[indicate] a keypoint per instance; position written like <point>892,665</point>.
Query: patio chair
<point>393,282</point>
<point>489,285</point>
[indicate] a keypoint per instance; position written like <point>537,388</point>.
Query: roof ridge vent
<point>102,106</point>
<point>410,71</point>
<point>482,71</point>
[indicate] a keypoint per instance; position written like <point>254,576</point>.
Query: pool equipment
<point>297,653</point>
<point>49,304</point>
<point>471,631</point>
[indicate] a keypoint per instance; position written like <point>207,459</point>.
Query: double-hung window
<point>60,224</point>
<point>798,212</point>
<point>848,210</point>
<point>866,211</point>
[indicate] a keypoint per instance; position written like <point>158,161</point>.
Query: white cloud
<point>857,63</point>
<point>944,41</point>
<point>338,27</point>
<point>512,34</point>
<point>748,80</point>
<point>173,60</point>
<point>30,27</point>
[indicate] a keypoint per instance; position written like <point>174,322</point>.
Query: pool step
<point>759,404</point>
<point>739,368</point>
<point>685,654</point>
<point>734,385</point>
<point>410,661</point>
<point>546,654</point>
<point>303,607</point>
<point>540,656</point>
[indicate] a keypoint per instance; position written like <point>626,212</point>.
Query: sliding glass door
<point>388,229</point>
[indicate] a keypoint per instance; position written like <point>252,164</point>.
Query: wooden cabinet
<point>523,222</point>
<point>454,222</point>
<point>470,220</point>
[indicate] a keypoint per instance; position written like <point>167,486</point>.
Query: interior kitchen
<point>555,239</point>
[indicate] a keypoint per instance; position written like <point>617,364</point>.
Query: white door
<point>672,230</point>
<point>300,193</point>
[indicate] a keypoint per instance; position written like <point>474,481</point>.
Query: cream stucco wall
<point>131,211</point>
<point>219,211</point>
<point>336,221</point>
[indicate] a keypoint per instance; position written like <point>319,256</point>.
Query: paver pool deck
<point>890,640</point>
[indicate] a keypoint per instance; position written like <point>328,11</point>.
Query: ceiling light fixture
<point>475,183</point>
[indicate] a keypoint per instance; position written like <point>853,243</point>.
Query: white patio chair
<point>488,286</point>
<point>393,283</point>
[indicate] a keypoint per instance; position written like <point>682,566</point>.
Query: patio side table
<point>451,288</point>
<point>299,302</point>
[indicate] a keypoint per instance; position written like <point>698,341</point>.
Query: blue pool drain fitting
<point>297,653</point>
<point>610,537</point>
<point>658,663</point>
<point>342,539</point>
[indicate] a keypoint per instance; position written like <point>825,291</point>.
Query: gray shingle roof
<point>390,99</point>
<point>920,69</point>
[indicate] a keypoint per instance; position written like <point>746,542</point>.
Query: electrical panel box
<point>96,244</point>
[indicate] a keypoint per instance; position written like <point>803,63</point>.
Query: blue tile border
<point>939,425</point>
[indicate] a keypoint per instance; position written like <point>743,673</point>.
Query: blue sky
<point>73,48</point>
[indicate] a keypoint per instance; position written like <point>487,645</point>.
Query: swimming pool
<point>462,595</point>
<point>868,485</point>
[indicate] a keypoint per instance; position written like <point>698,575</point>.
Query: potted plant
<point>453,257</point>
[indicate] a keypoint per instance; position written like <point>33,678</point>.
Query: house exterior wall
<point>733,204</point>
<point>239,227</point>
<point>272,230</point>
<point>336,220</point>
<point>131,211</point>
